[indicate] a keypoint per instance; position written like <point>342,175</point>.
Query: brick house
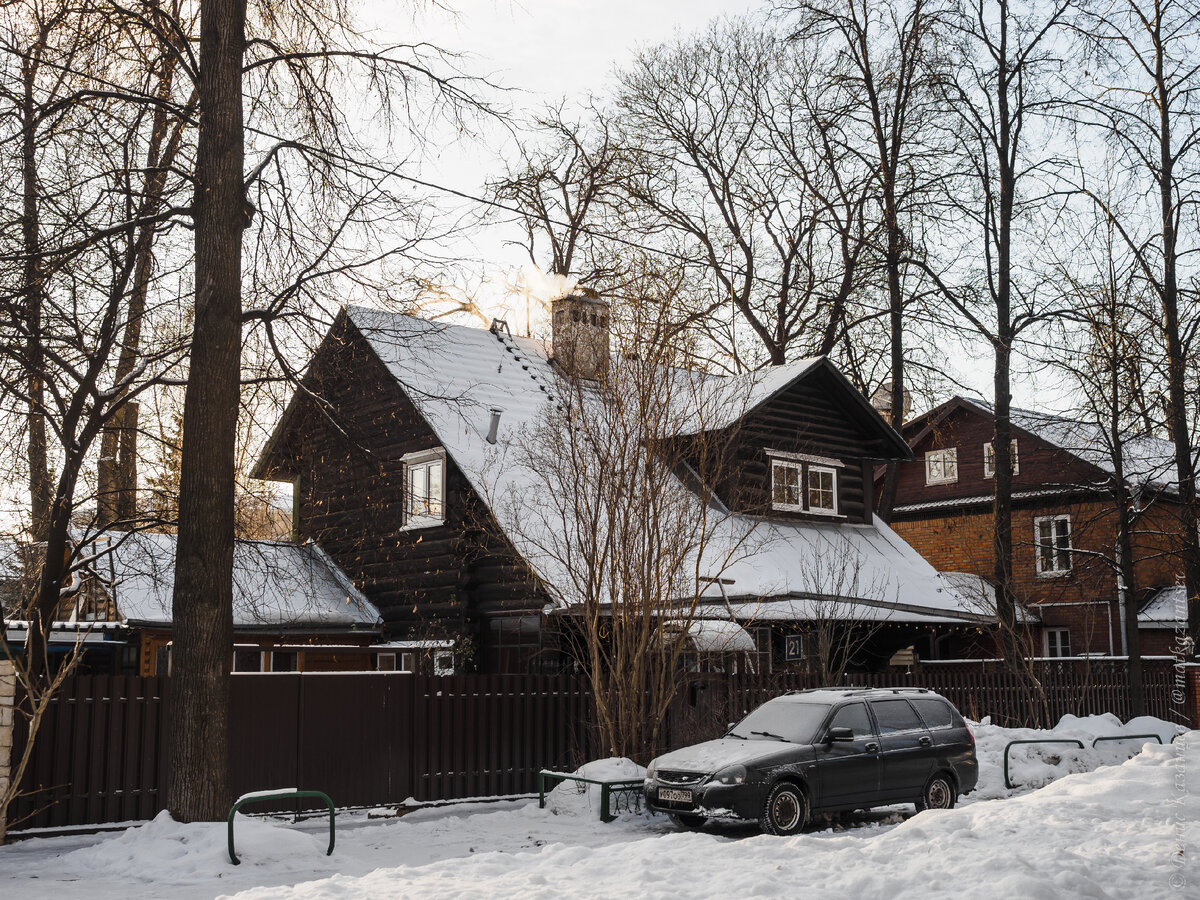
<point>1064,523</point>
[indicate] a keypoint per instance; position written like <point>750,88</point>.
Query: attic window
<point>424,488</point>
<point>989,460</point>
<point>941,466</point>
<point>799,486</point>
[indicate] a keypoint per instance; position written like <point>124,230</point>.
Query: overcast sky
<point>545,50</point>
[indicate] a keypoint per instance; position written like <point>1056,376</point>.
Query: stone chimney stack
<point>580,324</point>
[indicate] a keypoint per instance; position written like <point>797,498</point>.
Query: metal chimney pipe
<point>494,426</point>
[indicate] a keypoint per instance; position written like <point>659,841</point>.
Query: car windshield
<point>782,720</point>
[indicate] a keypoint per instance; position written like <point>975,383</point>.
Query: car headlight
<point>651,771</point>
<point>731,775</point>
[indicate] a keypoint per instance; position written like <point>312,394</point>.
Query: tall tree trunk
<point>34,285</point>
<point>202,609</point>
<point>117,467</point>
<point>1177,402</point>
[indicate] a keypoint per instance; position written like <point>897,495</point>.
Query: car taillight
<point>971,735</point>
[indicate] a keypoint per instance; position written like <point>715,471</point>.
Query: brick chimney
<point>580,343</point>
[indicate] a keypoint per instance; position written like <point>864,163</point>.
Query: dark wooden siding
<point>441,581</point>
<point>813,417</point>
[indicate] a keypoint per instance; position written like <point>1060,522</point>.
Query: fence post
<point>8,699</point>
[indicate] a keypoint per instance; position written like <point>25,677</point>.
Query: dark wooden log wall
<point>441,581</point>
<point>816,417</point>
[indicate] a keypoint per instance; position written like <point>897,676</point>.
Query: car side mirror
<point>841,734</point>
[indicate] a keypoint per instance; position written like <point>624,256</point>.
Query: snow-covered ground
<point>1123,829</point>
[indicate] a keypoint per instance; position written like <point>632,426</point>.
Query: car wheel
<point>939,794</point>
<point>786,810</point>
<point>689,821</point>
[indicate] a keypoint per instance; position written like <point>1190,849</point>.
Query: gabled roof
<point>1166,608</point>
<point>1148,460</point>
<point>456,376</point>
<point>736,396</point>
<point>275,583</point>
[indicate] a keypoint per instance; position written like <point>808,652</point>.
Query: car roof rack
<point>850,690</point>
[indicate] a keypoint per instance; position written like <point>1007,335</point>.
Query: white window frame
<point>989,460</point>
<point>1059,634</point>
<point>802,465</point>
<point>821,510</point>
<point>423,459</point>
<point>943,454</point>
<point>798,468</point>
<point>1056,570</point>
<point>380,659</point>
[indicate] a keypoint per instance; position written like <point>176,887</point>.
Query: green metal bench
<point>1127,737</point>
<point>1008,780</point>
<point>285,794</point>
<point>629,791</point>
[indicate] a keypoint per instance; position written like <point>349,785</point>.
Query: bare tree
<point>558,186</point>
<point>1000,97</point>
<point>714,145</point>
<point>1145,104</point>
<point>612,502</point>
<point>884,55</point>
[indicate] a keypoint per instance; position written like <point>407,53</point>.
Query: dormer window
<point>801,483</point>
<point>424,488</point>
<point>941,466</point>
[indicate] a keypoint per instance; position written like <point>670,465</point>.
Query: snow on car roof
<point>274,582</point>
<point>456,376</point>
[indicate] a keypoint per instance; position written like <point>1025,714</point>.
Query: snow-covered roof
<point>1148,460</point>
<point>457,375</point>
<point>275,583</point>
<point>719,636</point>
<point>1166,608</point>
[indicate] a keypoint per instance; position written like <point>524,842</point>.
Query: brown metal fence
<point>985,688</point>
<point>380,738</point>
<point>363,738</point>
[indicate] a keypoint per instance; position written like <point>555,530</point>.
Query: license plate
<point>675,796</point>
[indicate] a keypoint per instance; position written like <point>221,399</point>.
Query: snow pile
<point>1120,831</point>
<point>164,851</point>
<point>1036,765</point>
<point>573,798</point>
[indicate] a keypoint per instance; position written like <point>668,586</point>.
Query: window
<point>895,715</point>
<point>1058,642</point>
<point>283,661</point>
<point>941,466</point>
<point>424,488</point>
<point>855,718</point>
<point>385,662</point>
<point>822,490</point>
<point>989,459</point>
<point>798,485</point>
<point>247,660</point>
<point>1052,545</point>
<point>935,713</point>
<point>785,485</point>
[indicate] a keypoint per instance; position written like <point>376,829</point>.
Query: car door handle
<point>872,747</point>
<point>926,742</point>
